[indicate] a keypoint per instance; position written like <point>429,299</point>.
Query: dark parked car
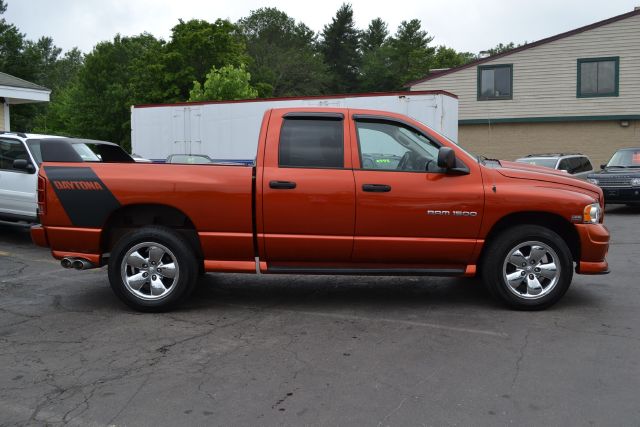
<point>620,177</point>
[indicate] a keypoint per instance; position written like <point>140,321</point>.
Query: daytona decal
<point>84,197</point>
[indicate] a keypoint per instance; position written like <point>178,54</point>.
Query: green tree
<point>195,47</point>
<point>284,59</point>
<point>115,75</point>
<point>411,54</point>
<point>226,83</point>
<point>340,48</point>
<point>375,35</point>
<point>500,48</point>
<point>446,57</point>
<point>376,73</point>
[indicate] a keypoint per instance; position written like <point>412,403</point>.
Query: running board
<point>367,271</point>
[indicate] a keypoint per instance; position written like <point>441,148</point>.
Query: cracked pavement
<point>293,350</point>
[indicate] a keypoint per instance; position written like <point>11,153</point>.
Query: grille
<point>615,181</point>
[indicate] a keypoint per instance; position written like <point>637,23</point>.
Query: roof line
<point>26,81</point>
<point>527,46</point>
<point>293,98</point>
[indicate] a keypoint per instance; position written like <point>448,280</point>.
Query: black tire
<point>178,250</point>
<point>494,267</point>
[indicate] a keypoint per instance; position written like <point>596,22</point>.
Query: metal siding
<point>545,77</point>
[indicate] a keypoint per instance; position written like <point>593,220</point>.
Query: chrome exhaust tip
<point>66,262</point>
<point>82,264</point>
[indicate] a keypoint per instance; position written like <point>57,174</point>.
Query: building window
<point>598,77</point>
<point>495,82</point>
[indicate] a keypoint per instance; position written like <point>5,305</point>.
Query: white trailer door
<point>178,127</point>
<point>194,140</point>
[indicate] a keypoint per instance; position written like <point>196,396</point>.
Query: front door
<point>17,187</point>
<point>409,212</point>
<point>308,193</point>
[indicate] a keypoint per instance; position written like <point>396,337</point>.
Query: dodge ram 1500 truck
<point>332,191</point>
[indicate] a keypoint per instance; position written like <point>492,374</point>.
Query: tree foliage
<point>92,94</point>
<point>226,83</point>
<point>340,48</point>
<point>195,47</point>
<point>284,58</point>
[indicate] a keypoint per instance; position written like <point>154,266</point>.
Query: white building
<point>577,91</point>
<point>17,91</point>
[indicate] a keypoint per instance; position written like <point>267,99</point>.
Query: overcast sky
<point>467,25</point>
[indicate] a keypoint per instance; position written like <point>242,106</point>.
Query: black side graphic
<point>84,197</point>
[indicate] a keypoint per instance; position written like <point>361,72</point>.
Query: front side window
<point>390,146</point>
<point>11,150</point>
<point>311,143</point>
<point>598,77</point>
<point>495,82</point>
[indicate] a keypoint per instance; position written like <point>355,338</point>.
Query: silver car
<point>575,164</point>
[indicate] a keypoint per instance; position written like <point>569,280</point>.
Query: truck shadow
<point>385,293</point>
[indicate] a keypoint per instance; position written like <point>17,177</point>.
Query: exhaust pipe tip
<point>78,264</point>
<point>66,262</point>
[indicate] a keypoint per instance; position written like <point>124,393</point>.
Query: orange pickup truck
<point>332,191</point>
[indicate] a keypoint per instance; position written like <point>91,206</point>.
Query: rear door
<point>17,187</point>
<point>308,192</point>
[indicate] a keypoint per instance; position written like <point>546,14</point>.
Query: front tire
<point>527,267</point>
<point>152,269</point>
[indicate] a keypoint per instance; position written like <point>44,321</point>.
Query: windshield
<point>83,150</point>
<point>625,159</point>
<point>549,163</point>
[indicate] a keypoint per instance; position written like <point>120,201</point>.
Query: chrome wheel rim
<point>531,270</point>
<point>150,271</point>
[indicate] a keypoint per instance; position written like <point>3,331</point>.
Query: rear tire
<point>527,267</point>
<point>152,269</point>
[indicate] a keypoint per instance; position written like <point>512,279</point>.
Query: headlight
<point>635,182</point>
<point>592,180</point>
<point>591,214</point>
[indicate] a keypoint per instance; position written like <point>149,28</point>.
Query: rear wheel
<point>152,269</point>
<point>528,267</point>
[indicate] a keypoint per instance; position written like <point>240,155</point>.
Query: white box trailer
<point>229,130</point>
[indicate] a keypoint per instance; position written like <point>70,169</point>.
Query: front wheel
<point>528,267</point>
<point>152,269</point>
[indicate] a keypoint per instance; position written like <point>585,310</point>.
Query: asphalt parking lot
<point>249,350</point>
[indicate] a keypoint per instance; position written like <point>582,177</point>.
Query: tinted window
<point>313,143</point>
<point>390,146</point>
<point>10,150</point>
<point>564,165</point>
<point>626,158</point>
<point>598,77</point>
<point>83,151</point>
<point>584,165</point>
<point>495,82</point>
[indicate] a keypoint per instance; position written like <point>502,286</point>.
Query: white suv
<point>20,158</point>
<point>18,177</point>
<point>575,164</point>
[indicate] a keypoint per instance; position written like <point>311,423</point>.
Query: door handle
<point>282,185</point>
<point>376,188</point>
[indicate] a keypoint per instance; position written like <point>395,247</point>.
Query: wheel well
<point>553,222</point>
<point>131,217</point>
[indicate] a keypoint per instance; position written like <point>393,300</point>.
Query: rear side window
<point>311,143</point>
<point>10,150</point>
<point>584,165</point>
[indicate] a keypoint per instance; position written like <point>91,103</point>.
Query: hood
<point>543,174</point>
<point>631,172</point>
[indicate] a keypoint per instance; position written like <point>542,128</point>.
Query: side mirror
<point>602,166</point>
<point>446,158</point>
<point>22,164</point>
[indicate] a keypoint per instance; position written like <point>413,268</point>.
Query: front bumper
<point>613,195</point>
<point>594,246</point>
